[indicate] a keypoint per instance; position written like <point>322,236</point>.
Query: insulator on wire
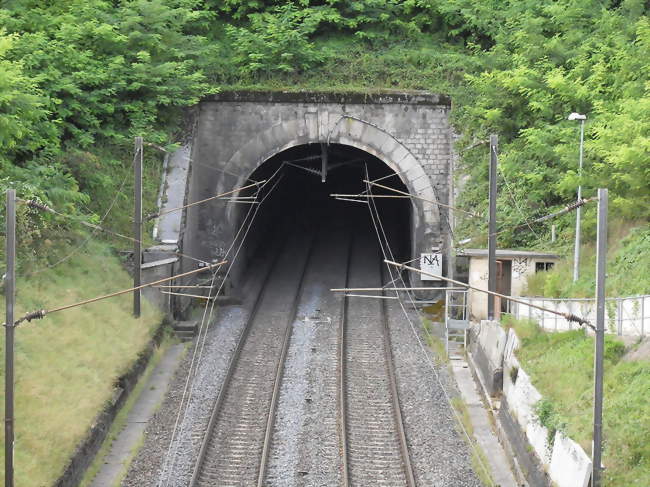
<point>34,315</point>
<point>38,205</point>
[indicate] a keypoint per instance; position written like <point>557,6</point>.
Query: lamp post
<point>576,251</point>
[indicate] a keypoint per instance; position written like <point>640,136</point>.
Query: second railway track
<point>373,440</point>
<point>235,448</point>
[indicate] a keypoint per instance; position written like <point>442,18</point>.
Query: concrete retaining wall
<point>541,461</point>
<point>488,343</point>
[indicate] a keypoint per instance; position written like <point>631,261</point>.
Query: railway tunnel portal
<point>309,146</point>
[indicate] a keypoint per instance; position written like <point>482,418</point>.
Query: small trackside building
<point>513,269</point>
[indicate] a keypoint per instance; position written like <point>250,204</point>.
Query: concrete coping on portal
<point>352,98</point>
<point>158,263</point>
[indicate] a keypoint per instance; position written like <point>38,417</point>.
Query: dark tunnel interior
<point>295,198</point>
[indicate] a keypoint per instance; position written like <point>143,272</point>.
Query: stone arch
<point>354,132</point>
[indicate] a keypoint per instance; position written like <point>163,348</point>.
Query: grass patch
<point>434,342</point>
<point>561,367</point>
<point>479,460</point>
<point>67,363</point>
<point>628,261</point>
<point>122,415</point>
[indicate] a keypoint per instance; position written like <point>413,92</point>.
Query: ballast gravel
<point>440,454</point>
<point>305,450</point>
<point>158,463</point>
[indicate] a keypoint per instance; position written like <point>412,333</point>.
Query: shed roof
<point>508,254</point>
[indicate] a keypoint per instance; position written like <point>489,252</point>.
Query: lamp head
<point>577,116</point>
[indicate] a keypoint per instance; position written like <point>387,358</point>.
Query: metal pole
<point>10,295</point>
<point>601,261</point>
<point>492,227</point>
<point>576,250</point>
<point>137,225</point>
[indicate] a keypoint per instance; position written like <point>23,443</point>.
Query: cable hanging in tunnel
<point>386,250</point>
<point>197,354</point>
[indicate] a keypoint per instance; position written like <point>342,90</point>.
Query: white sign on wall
<point>431,263</point>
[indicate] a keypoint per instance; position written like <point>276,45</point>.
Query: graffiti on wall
<point>519,266</point>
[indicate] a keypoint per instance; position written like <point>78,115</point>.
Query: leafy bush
<point>109,72</point>
<point>276,41</point>
<point>549,418</point>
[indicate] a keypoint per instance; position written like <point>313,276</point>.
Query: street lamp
<point>576,251</point>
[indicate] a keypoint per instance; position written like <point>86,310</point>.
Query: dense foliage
<point>80,78</point>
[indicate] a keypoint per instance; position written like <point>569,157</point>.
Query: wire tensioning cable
<point>567,316</point>
<point>43,312</point>
<point>415,333</point>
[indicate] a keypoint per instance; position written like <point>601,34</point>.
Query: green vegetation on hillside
<point>67,363</point>
<point>627,268</point>
<point>561,367</point>
<point>80,78</point>
<point>78,75</point>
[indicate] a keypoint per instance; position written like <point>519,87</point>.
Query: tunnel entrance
<point>297,198</point>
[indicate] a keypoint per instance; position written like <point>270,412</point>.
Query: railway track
<point>373,442</point>
<point>236,445</point>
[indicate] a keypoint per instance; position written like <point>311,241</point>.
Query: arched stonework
<point>346,131</point>
<point>237,132</point>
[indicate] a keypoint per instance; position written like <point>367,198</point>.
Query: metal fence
<point>456,321</point>
<point>629,316</point>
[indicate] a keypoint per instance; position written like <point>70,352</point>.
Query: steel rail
<point>342,399</point>
<point>270,422</point>
<point>397,410</point>
<point>392,383</point>
<point>232,365</point>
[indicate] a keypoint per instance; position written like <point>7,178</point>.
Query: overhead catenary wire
<point>43,312</point>
<point>386,250</point>
<point>438,203</point>
<point>567,316</point>
<point>205,200</point>
<point>198,296</point>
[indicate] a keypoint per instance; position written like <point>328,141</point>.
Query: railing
<point>456,320</point>
<point>629,316</point>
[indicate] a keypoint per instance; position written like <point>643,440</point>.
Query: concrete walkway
<point>483,433</point>
<point>153,393</point>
